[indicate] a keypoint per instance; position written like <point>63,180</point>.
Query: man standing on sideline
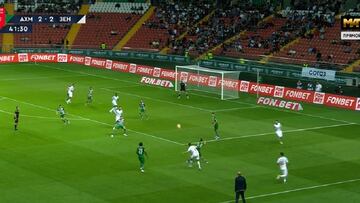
<point>240,187</point>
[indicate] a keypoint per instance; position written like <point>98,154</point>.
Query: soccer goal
<point>217,82</point>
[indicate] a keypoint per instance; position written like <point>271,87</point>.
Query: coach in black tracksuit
<point>240,187</point>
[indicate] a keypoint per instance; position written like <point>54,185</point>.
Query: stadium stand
<point>44,35</point>
<point>252,44</point>
<point>108,23</point>
<point>225,23</point>
<point>168,22</point>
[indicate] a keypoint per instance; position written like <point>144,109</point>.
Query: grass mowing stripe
<point>282,110</point>
<point>299,189</point>
<point>286,131</point>
<point>239,102</point>
<point>95,121</point>
<point>183,105</point>
<point>159,100</point>
<point>42,117</point>
<point>44,77</point>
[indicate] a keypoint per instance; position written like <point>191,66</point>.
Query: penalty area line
<point>95,121</point>
<point>299,189</point>
<point>42,117</point>
<point>286,131</point>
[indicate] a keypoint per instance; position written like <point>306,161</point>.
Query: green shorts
<point>141,159</point>
<point>119,126</point>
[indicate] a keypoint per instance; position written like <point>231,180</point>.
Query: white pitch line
<point>286,131</point>
<point>159,100</point>
<point>42,117</point>
<point>183,105</point>
<point>88,74</point>
<point>238,108</point>
<point>299,189</point>
<point>239,102</point>
<point>38,78</point>
<point>95,121</point>
<point>282,110</point>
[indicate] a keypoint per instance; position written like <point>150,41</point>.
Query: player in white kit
<point>194,155</point>
<point>118,112</point>
<point>70,93</point>
<point>282,162</point>
<point>114,100</point>
<point>278,131</point>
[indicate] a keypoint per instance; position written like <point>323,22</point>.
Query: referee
<point>16,117</point>
<point>183,90</point>
<point>240,187</point>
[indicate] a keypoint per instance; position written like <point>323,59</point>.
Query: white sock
<point>198,162</point>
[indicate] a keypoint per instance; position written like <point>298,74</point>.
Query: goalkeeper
<point>183,90</point>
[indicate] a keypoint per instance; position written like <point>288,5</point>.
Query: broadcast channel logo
<point>350,27</point>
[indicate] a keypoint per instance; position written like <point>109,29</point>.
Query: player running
<point>183,90</point>
<point>216,125</point>
<point>119,124</point>
<point>61,112</point>
<point>142,110</point>
<point>16,117</point>
<point>141,153</point>
<point>114,100</point>
<point>282,162</point>
<point>199,145</point>
<point>118,112</point>
<point>70,93</point>
<point>90,96</point>
<point>194,156</point>
<point>278,131</point>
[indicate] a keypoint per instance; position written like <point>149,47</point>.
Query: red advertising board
<point>326,99</point>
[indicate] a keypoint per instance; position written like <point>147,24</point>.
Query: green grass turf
<point>47,161</point>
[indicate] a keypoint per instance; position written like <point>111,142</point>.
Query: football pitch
<point>47,161</point>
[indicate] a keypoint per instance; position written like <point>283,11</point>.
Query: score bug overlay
<point>58,19</point>
<point>23,23</point>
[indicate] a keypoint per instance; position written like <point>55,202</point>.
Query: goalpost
<point>207,80</point>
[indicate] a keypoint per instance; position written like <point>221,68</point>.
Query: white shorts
<point>195,156</point>
<point>114,103</point>
<point>70,94</point>
<point>279,133</point>
<point>117,118</point>
<point>284,172</point>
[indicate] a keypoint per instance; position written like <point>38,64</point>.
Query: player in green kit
<point>142,110</point>
<point>90,96</point>
<point>61,112</point>
<point>216,125</point>
<point>119,124</point>
<point>140,151</point>
<point>199,145</point>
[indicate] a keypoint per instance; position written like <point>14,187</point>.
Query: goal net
<point>217,82</point>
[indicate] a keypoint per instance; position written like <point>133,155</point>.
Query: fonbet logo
<point>62,58</point>
<point>212,81</point>
<point>279,91</point>
<point>357,104</point>
<point>244,86</point>
<point>23,57</point>
<point>319,98</point>
<point>132,68</point>
<point>108,64</point>
<point>156,82</point>
<point>157,72</point>
<point>279,103</point>
<point>87,61</point>
<point>184,76</point>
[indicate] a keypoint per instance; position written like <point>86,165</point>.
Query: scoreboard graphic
<point>23,23</point>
